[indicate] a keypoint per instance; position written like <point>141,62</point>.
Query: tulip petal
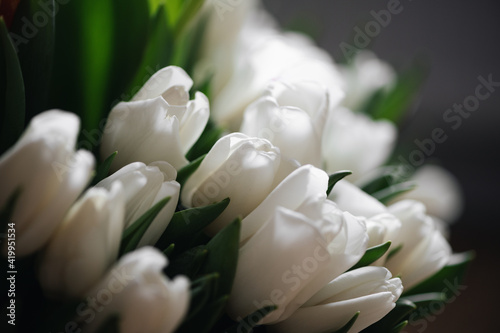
<point>290,193</point>
<point>161,81</point>
<point>352,199</point>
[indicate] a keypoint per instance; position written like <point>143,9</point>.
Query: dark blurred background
<point>461,39</point>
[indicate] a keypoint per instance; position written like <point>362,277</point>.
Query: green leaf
<point>132,27</point>
<point>12,98</point>
<point>207,139</point>
<point>426,304</point>
<point>334,178</point>
<point>398,328</point>
<point>205,319</point>
<point>222,256</point>
<point>174,9</point>
<point>202,290</point>
<point>221,260</point>
<point>249,322</point>
<point>384,178</point>
<point>371,255</point>
<point>155,5</point>
<point>157,52</point>
<point>185,224</point>
<point>420,299</point>
<point>188,43</point>
<point>36,52</point>
<point>448,280</point>
<point>169,250</point>
<point>103,169</point>
<point>392,104</point>
<point>189,11</point>
<point>391,192</point>
<point>188,263</point>
<point>133,234</point>
<point>349,324</point>
<point>107,45</point>
<point>81,74</point>
<point>392,321</point>
<point>184,173</point>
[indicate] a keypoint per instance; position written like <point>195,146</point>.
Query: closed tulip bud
<point>49,174</point>
<point>293,255</point>
<point>353,141</point>
<point>266,56</point>
<point>159,124</point>
<point>367,290</point>
<point>363,77</point>
<point>143,186</point>
<point>140,295</point>
<point>242,168</point>
<point>424,249</point>
<point>85,245</point>
<point>351,198</point>
<point>439,190</point>
<point>291,116</point>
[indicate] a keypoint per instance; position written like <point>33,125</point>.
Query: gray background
<point>461,41</point>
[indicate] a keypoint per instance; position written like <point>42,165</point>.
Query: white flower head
<point>49,174</point>
<point>159,124</point>
<point>143,187</point>
<point>85,245</point>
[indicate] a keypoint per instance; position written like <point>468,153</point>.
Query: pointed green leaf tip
<point>186,224</point>
<point>249,322</point>
<point>391,192</point>
<point>188,263</point>
<point>391,104</point>
<point>371,255</point>
<point>349,324</point>
<point>452,275</point>
<point>103,169</point>
<point>222,258</point>
<point>334,178</point>
<point>133,234</point>
<point>184,173</point>
<point>395,320</point>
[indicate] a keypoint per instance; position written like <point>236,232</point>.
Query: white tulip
<point>85,245</point>
<point>363,77</point>
<point>381,226</point>
<point>143,186</point>
<point>292,117</point>
<point>293,255</point>
<point>242,168</point>
<point>299,186</point>
<point>424,250</point>
<point>289,57</point>
<point>355,142</point>
<point>439,190</point>
<point>50,175</point>
<point>369,290</point>
<point>140,295</point>
<point>351,198</point>
<point>159,124</point>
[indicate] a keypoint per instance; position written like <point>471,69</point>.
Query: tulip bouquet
<point>210,173</point>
